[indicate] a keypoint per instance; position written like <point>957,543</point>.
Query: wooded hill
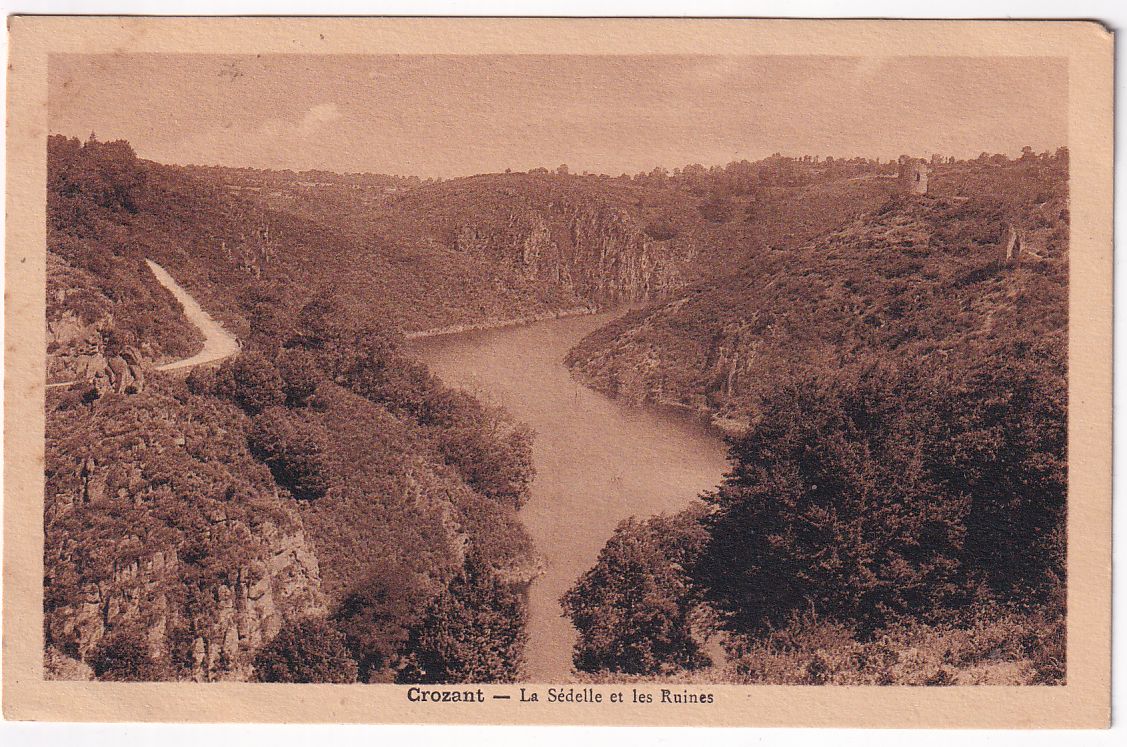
<point>318,508</point>
<point>896,394</point>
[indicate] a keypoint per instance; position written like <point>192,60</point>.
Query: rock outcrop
<point>597,250</point>
<point>146,595</point>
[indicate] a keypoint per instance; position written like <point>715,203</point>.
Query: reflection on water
<point>597,461</point>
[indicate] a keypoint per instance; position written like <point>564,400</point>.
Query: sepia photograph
<point>657,372</point>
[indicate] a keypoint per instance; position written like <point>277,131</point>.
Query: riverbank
<point>455,329</point>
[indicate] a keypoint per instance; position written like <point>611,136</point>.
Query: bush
<point>376,618</point>
<point>124,657</point>
<point>294,450</point>
<point>473,632</point>
<point>300,376</point>
<point>661,229</point>
<point>311,650</point>
<point>717,209</point>
<point>831,508</point>
<point>634,609</point>
<point>491,452</point>
<point>250,381</point>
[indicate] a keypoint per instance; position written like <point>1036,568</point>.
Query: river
<point>597,461</point>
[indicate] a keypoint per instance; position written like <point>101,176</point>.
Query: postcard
<point>558,371</point>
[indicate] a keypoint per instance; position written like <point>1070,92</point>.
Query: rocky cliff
<point>923,277</point>
<point>159,527</point>
<point>596,250</point>
<point>542,239</point>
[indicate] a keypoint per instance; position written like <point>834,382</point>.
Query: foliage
<point>376,617</point>
<point>294,450</point>
<point>831,506</point>
<point>473,632</point>
<point>634,609</point>
<point>903,464</point>
<point>250,381</point>
<point>308,650</point>
<point>124,657</point>
<point>996,647</point>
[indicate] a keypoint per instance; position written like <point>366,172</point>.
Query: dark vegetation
<point>896,507</point>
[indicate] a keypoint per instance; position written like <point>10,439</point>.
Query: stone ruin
<point>912,175</point>
<point>1013,242</point>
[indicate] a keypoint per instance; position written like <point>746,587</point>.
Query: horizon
<point>446,116</point>
<point>1010,154</point>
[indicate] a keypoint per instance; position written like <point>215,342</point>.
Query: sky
<point>430,116</point>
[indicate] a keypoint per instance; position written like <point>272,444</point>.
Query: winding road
<point>218,342</point>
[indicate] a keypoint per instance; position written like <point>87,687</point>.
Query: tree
<point>376,618</point>
<point>1005,446</point>
<point>634,609</point>
<point>831,509</point>
<point>473,632</point>
<point>491,452</point>
<point>562,169</point>
<point>250,381</point>
<point>300,376</point>
<point>309,650</point>
<point>293,447</point>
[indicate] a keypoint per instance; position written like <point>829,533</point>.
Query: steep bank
<point>320,480</point>
<point>499,323</point>
<point>218,343</point>
<point>920,277</point>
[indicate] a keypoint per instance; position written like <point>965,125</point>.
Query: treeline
<point>746,177</point>
<point>287,178</point>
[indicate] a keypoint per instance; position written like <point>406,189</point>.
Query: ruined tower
<point>1013,243</point>
<point>912,175</point>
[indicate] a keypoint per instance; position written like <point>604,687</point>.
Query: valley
<point>453,431</point>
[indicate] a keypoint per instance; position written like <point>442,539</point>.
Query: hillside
<point>318,508</point>
<point>321,508</point>
<point>895,393</point>
<point>917,277</point>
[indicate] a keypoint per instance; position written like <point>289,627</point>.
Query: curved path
<point>218,342</point>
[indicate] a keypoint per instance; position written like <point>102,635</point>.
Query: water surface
<point>597,461</point>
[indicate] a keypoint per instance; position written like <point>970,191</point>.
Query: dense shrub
<point>634,609</point>
<point>717,209</point>
<point>661,229</point>
<point>831,507</point>
<point>491,451</point>
<point>250,381</point>
<point>124,657</point>
<point>300,376</point>
<point>293,447</point>
<point>310,650</point>
<point>473,632</point>
<point>376,618</point>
